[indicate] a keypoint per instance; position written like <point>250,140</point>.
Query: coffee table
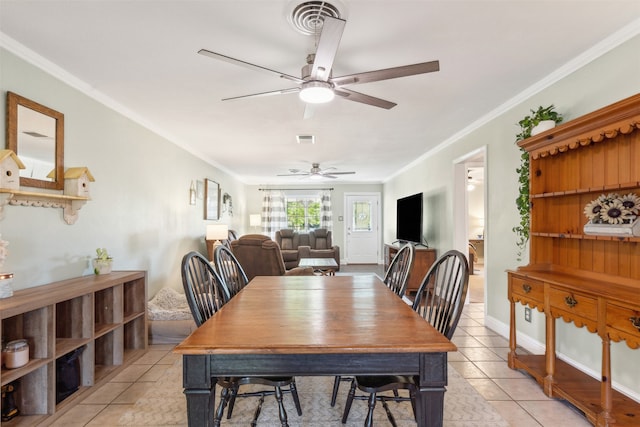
<point>324,266</point>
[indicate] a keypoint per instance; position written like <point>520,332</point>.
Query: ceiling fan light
<point>316,92</point>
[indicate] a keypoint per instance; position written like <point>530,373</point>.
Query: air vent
<point>305,139</point>
<point>308,17</point>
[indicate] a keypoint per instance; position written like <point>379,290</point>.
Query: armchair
<point>288,240</point>
<point>320,246</point>
<point>260,256</point>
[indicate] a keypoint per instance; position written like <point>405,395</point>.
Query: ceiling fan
<point>317,85</point>
<point>316,172</point>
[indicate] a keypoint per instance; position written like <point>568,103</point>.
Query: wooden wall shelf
<point>64,316</point>
<point>590,281</point>
<point>70,204</point>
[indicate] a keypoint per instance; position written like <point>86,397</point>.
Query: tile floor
<point>481,359</point>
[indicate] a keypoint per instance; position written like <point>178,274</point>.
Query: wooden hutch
<point>588,280</point>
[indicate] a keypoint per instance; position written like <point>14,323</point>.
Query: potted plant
<point>102,262</point>
<point>539,120</point>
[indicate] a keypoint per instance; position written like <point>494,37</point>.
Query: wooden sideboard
<point>105,315</point>
<point>424,258</point>
<point>588,280</point>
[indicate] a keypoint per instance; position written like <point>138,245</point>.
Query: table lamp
<point>254,220</point>
<point>217,232</point>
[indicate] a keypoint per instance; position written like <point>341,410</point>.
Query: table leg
<point>199,389</point>
<point>430,393</point>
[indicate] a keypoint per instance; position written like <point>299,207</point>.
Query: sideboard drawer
<point>527,290</point>
<point>573,306</point>
<point>623,323</point>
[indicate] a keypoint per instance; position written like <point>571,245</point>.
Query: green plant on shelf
<point>102,262</point>
<point>522,201</point>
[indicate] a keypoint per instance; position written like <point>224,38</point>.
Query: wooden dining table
<point>315,325</point>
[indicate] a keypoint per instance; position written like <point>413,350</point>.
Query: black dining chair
<point>230,270</point>
<point>206,293</point>
<point>396,278</point>
<point>397,274</point>
<point>439,300</point>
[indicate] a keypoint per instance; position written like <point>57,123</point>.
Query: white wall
<point>140,200</point>
<point>254,204</point>
<point>609,78</point>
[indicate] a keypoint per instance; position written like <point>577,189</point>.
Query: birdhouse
<point>10,166</point>
<point>76,182</point>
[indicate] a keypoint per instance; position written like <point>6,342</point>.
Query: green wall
<point>140,207</point>
<point>609,78</point>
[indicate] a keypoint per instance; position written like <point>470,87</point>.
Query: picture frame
<point>212,200</point>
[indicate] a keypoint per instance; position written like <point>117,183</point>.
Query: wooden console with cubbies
<point>591,281</point>
<point>104,315</point>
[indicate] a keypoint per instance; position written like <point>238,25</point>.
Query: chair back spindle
<point>205,291</point>
<point>441,296</point>
<point>230,270</point>
<point>397,274</point>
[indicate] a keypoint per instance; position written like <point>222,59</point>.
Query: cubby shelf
<point>104,315</point>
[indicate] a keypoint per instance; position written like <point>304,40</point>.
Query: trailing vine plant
<point>522,201</point>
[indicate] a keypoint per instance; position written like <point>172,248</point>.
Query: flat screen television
<point>409,219</point>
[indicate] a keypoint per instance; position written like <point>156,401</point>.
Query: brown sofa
<point>260,256</point>
<point>315,244</point>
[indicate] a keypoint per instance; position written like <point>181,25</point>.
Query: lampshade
<point>316,92</point>
<point>217,232</point>
<point>254,220</point>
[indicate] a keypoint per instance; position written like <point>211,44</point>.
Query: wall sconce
<point>192,194</point>
<point>254,220</point>
<point>217,232</point>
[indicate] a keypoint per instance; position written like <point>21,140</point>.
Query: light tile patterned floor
<point>481,359</point>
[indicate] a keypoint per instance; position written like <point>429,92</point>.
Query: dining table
<point>315,326</point>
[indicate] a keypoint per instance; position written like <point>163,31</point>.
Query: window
<point>303,212</point>
<point>362,216</point>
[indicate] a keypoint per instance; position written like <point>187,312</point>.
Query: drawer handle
<point>570,301</point>
<point>635,321</point>
<point>527,288</point>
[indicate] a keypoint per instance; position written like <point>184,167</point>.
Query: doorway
<point>470,207</point>
<point>362,230</point>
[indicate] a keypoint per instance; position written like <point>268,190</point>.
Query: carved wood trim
<point>598,126</point>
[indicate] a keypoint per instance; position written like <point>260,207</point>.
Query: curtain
<point>274,213</point>
<point>326,219</point>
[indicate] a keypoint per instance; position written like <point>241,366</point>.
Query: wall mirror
<point>36,134</point>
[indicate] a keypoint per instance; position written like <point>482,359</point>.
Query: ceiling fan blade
<point>294,174</point>
<point>365,99</point>
<point>387,73</point>
<point>328,176</point>
<point>332,29</point>
<point>273,92</point>
<point>245,64</point>
<point>339,173</point>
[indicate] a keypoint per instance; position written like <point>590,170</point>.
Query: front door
<point>361,228</point>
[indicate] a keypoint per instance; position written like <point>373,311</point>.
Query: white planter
<point>543,126</point>
<point>6,289</point>
<point>102,266</point>
<point>622,230</point>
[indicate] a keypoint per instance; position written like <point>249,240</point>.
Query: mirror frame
<point>13,101</point>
